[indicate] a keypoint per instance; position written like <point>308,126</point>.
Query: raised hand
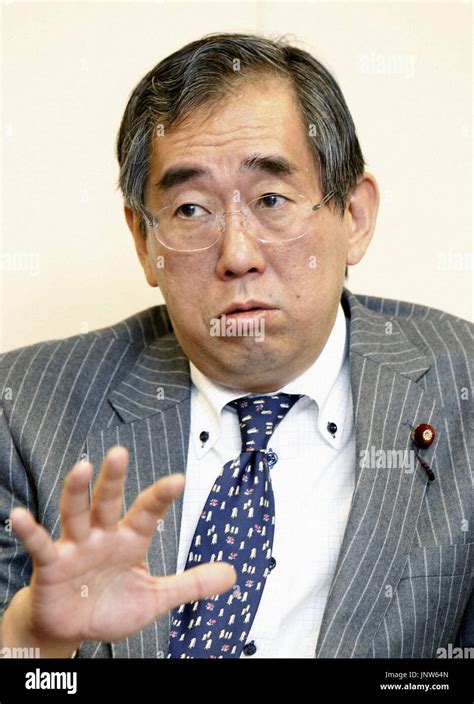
<point>92,583</point>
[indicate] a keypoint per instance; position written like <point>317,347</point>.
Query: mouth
<point>249,309</point>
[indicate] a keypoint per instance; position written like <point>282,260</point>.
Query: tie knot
<point>259,417</point>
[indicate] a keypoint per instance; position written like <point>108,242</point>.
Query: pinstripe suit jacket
<point>403,582</point>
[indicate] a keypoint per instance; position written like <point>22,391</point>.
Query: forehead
<point>258,117</point>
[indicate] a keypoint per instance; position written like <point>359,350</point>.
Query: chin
<point>258,360</point>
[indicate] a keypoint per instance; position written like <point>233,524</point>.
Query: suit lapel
<point>387,499</point>
<point>153,402</point>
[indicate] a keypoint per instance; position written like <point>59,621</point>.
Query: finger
<point>74,505</point>
<point>107,499</point>
<point>152,503</point>
<point>34,537</point>
<point>194,584</point>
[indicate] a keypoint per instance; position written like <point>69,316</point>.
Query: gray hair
<point>204,73</point>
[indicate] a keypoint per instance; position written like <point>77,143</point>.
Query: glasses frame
<point>152,221</point>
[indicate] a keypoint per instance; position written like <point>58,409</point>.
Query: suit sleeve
<point>465,635</point>
<point>15,490</point>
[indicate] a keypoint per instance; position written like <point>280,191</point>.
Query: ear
<point>134,220</point>
<point>362,210</point>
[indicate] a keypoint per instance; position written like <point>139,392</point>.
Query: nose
<point>239,252</point>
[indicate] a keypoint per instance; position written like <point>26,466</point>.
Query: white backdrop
<point>68,264</point>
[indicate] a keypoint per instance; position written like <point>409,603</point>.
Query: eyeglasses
<point>272,218</point>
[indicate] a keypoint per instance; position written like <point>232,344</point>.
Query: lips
<point>237,307</point>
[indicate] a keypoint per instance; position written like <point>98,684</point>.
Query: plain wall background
<point>68,263</point>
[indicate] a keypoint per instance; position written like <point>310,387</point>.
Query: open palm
<point>93,583</point>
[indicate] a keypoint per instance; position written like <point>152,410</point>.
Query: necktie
<point>237,526</point>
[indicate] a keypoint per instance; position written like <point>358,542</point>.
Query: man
<point>324,436</point>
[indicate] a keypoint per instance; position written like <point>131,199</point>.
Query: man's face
<point>300,280</point>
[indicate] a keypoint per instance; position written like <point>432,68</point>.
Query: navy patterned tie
<point>236,525</point>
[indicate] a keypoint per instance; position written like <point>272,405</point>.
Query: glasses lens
<point>277,217</point>
<point>187,227</point>
<point>273,217</point>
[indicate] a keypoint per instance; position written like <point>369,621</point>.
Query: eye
<point>271,201</point>
<point>189,211</point>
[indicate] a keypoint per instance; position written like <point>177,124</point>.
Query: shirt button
<point>332,429</point>
<point>271,563</point>
<point>250,648</point>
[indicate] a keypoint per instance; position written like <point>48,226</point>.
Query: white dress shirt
<point>313,483</point>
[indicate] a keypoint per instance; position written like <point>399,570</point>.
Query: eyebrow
<point>272,164</point>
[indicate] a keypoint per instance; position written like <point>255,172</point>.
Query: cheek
<point>183,275</point>
<point>326,258</point>
<point>184,284</point>
<point>301,265</point>
<point>318,251</point>
<point>310,277</point>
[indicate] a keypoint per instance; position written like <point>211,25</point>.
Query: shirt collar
<point>316,383</point>
<point>318,380</point>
